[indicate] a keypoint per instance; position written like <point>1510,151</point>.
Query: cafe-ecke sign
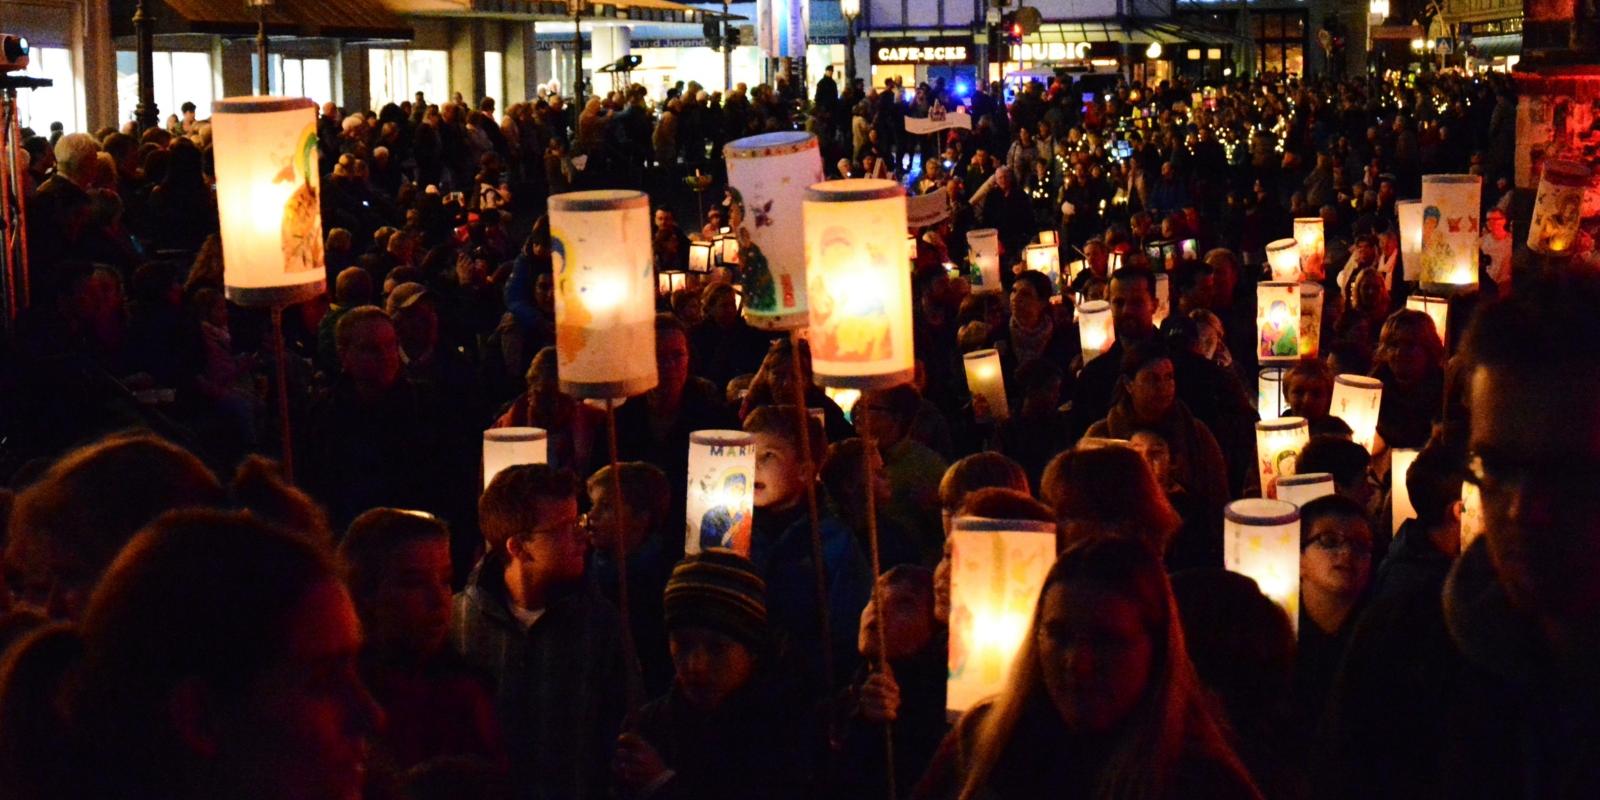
<point>923,51</point>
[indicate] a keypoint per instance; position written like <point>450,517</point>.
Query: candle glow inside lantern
<point>1261,541</point>
<point>670,281</point>
<point>1277,322</point>
<point>1472,521</point>
<point>1163,298</point>
<point>727,249</point>
<point>1558,207</point>
<point>1450,232</point>
<point>984,244</point>
<point>1436,307</point>
<point>769,174</point>
<point>985,382</point>
<point>1270,400</point>
<point>860,290</point>
<point>1356,399</point>
<point>844,398</point>
<point>1048,238</point>
<point>1278,446</point>
<point>1309,245</point>
<point>1096,333</point>
<point>1310,319</point>
<point>1410,217</point>
<point>997,569</point>
<point>1400,461</point>
<point>1304,487</point>
<point>268,199</point>
<point>1283,256</point>
<point>722,469</point>
<point>508,447</point>
<point>605,303</point>
<point>1045,258</point>
<point>700,256</point>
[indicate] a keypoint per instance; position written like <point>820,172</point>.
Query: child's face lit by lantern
<point>1095,654</point>
<point>780,480</point>
<point>710,666</point>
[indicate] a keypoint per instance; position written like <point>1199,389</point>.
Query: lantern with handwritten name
<point>605,303</point>
<point>985,383</point>
<point>1302,488</point>
<point>859,288</point>
<point>1409,213</point>
<point>1278,445</point>
<point>1283,256</point>
<point>508,447</point>
<point>1309,244</point>
<point>1277,322</point>
<point>984,245</point>
<point>1356,400</point>
<point>722,469</point>
<point>997,569</point>
<point>1096,333</point>
<point>1261,541</point>
<point>1450,232</point>
<point>1558,207</point>
<point>769,174</point>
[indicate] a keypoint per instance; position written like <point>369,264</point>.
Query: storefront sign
<point>924,51</point>
<point>1063,51</point>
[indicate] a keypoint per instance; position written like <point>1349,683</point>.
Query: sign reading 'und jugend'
<point>924,51</point>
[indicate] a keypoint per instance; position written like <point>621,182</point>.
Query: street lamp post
<point>576,7</point>
<point>727,50</point>
<point>851,9</point>
<point>1377,12</point>
<point>145,113</point>
<point>263,86</point>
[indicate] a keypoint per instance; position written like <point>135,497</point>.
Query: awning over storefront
<point>343,19</point>
<point>546,10</point>
<point>1498,46</point>
<point>1401,32</point>
<point>1132,31</point>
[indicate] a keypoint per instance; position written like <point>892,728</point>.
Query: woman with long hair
<point>1410,362</point>
<point>1102,700</point>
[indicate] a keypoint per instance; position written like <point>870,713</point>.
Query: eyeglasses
<point>1342,544</point>
<point>579,527</point>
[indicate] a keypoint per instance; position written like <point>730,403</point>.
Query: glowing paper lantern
<point>1114,261</point>
<point>1270,400</point>
<point>508,447</point>
<point>844,398</point>
<point>1436,307</point>
<point>1073,268</point>
<point>1277,322</point>
<point>1309,245</point>
<point>1095,331</point>
<point>984,244</point>
<point>1044,258</point>
<point>1400,460</point>
<point>727,249</point>
<point>670,281</point>
<point>1261,541</point>
<point>1048,237</point>
<point>1410,214</point>
<point>1356,399</point>
<point>1450,232</point>
<point>1278,445</point>
<point>1558,207</point>
<point>1472,522</point>
<point>268,199</point>
<point>769,174</point>
<point>722,470</point>
<point>860,290</point>
<point>605,303</point>
<point>1163,298</point>
<point>984,381</point>
<point>1310,319</point>
<point>1304,487</point>
<point>997,569</point>
<point>700,256</point>
<point>1283,256</point>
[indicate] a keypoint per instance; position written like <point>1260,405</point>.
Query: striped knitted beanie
<point>718,589</point>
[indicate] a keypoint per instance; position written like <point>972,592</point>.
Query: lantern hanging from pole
<point>508,447</point>
<point>1558,208</point>
<point>1283,256</point>
<point>1310,319</point>
<point>605,303</point>
<point>1277,322</point>
<point>268,199</point>
<point>1270,399</point>
<point>1400,461</point>
<point>1096,333</point>
<point>1261,541</point>
<point>1045,258</point>
<point>768,175</point>
<point>1278,446</point>
<point>1048,238</point>
<point>1304,487</point>
<point>700,256</point>
<point>1409,213</point>
<point>860,290</point>
<point>1450,232</point>
<point>1163,298</point>
<point>986,385</point>
<point>985,246</point>
<point>1356,399</point>
<point>997,569</point>
<point>1436,307</point>
<point>722,468</point>
<point>1309,245</point>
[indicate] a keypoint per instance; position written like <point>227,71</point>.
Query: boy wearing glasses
<point>1335,572</point>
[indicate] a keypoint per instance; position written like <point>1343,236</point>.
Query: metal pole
<point>577,67</point>
<point>262,85</point>
<point>285,431</point>
<point>850,50</point>
<point>146,112</point>
<point>727,59</point>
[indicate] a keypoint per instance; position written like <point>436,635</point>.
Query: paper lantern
<point>722,475</point>
<point>1189,248</point>
<point>268,199</point>
<point>1163,298</point>
<point>1436,307</point>
<point>1277,322</point>
<point>726,249</point>
<point>508,447</point>
<point>1410,217</point>
<point>1304,487</point>
<point>1558,207</point>
<point>700,256</point>
<point>1261,541</point>
<point>1310,319</point>
<point>1278,445</point>
<point>1356,399</point>
<point>1072,270</point>
<point>1400,460</point>
<point>1048,238</point>
<point>605,303</point>
<point>1045,258</point>
<point>670,281</point>
<point>1472,521</point>
<point>1309,245</point>
<point>984,244</point>
<point>1270,399</point>
<point>860,290</point>
<point>1283,256</point>
<point>1113,261</point>
<point>845,399</point>
<point>997,569</point>
<point>984,380</point>
<point>1450,232</point>
<point>769,174</point>
<point>1096,334</point>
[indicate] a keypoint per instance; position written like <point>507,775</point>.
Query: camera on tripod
<point>13,53</point>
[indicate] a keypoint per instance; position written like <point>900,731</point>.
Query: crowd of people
<point>191,609</point>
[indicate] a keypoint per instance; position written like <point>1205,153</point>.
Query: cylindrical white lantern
<point>1304,487</point>
<point>605,306</point>
<point>1400,460</point>
<point>1048,237</point>
<point>1558,207</point>
<point>1261,541</point>
<point>1096,333</point>
<point>268,199</point>
<point>1163,298</point>
<point>769,174</point>
<point>1310,319</point>
<point>984,380</point>
<point>1436,307</point>
<point>1410,218</point>
<point>1283,256</point>
<point>997,569</point>
<point>1277,322</point>
<point>1356,399</point>
<point>860,289</point>
<point>1278,445</point>
<point>700,256</point>
<point>1044,258</point>
<point>508,447</point>
<point>1450,232</point>
<point>1309,244</point>
<point>1270,400</point>
<point>722,470</point>
<point>984,247</point>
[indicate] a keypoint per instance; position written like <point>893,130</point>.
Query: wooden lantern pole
<point>808,461</point>
<point>280,356</point>
<point>619,529</point>
<point>868,447</point>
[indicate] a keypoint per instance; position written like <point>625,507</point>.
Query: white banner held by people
<point>939,120</point>
<point>927,209</point>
